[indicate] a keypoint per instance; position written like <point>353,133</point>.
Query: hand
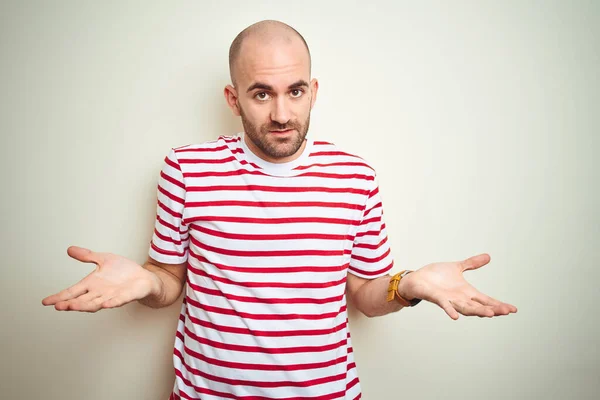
<point>444,285</point>
<point>116,281</point>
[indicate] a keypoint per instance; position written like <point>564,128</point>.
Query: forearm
<point>167,289</point>
<point>371,298</point>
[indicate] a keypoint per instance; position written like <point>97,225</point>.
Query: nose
<point>280,112</point>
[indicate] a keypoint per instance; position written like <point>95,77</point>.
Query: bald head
<point>266,33</point>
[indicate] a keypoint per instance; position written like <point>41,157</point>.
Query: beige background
<point>482,119</point>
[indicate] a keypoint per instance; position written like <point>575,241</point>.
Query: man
<point>272,232</point>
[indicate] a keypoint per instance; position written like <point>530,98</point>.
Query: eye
<point>262,96</point>
<point>297,93</point>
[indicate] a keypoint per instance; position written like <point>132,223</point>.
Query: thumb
<point>475,262</point>
<point>84,255</point>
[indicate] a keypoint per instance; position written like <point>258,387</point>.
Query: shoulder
<point>217,145</point>
<point>331,154</point>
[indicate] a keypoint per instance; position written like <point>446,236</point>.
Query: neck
<point>275,160</point>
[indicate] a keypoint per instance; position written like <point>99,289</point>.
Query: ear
<point>314,88</point>
<point>232,99</point>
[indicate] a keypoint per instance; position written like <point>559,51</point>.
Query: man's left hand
<point>444,285</point>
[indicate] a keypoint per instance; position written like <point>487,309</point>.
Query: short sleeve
<point>371,255</point>
<point>170,240</point>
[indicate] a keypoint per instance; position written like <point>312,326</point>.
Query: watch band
<point>393,290</point>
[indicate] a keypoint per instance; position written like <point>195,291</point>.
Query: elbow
<point>369,313</point>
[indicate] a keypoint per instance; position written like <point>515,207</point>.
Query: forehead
<point>278,63</point>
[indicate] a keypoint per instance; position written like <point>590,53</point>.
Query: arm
<point>171,281</point>
<point>369,295</point>
<point>440,283</point>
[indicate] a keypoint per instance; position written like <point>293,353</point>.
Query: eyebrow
<point>264,86</point>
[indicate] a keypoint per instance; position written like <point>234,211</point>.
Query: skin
<point>273,94</point>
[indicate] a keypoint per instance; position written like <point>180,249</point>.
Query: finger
<point>85,255</point>
<point>73,304</point>
<point>447,307</point>
<point>499,307</point>
<point>117,301</point>
<point>475,262</point>
<point>83,299</point>
<point>91,304</point>
<point>69,293</point>
<point>485,300</point>
<point>471,308</point>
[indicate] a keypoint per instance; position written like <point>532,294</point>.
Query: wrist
<point>403,288</point>
<point>156,285</point>
<point>400,289</point>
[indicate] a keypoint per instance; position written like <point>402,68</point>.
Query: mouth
<point>281,132</point>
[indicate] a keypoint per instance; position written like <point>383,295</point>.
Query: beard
<point>271,145</point>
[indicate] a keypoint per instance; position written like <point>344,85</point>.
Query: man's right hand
<point>116,281</point>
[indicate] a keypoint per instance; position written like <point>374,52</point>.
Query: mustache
<point>276,126</point>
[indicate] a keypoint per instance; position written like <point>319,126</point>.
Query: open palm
<point>444,284</point>
<point>115,281</point>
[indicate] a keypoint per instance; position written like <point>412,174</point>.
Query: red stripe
<point>206,160</point>
<point>271,253</point>
<point>334,164</point>
<point>236,172</point>
<point>263,317</point>
<point>322,143</point>
<point>352,383</point>
<point>169,211</point>
<point>278,189</point>
<point>166,238</point>
<point>168,225</point>
<point>371,220</point>
<point>374,192</point>
<point>282,236</point>
<point>172,164</point>
<point>264,350</point>
<point>167,252</point>
<point>264,300</point>
<point>371,259</point>
<point>202,149</point>
<point>247,331</point>
<point>338,176</point>
<point>274,270</point>
<point>370,273</point>
<point>333,153</point>
<point>248,220</point>
<point>371,246</point>
<point>170,195</point>
<point>209,149</point>
<point>371,233</point>
<point>297,285</point>
<point>275,204</point>
<point>372,208</point>
<point>197,389</point>
<point>172,180</point>
<point>262,367</point>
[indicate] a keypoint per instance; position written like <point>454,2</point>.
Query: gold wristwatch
<point>393,290</point>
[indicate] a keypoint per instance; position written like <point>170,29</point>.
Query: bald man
<point>270,232</point>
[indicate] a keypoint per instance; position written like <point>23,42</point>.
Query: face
<point>274,97</point>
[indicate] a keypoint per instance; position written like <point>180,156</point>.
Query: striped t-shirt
<point>267,247</point>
